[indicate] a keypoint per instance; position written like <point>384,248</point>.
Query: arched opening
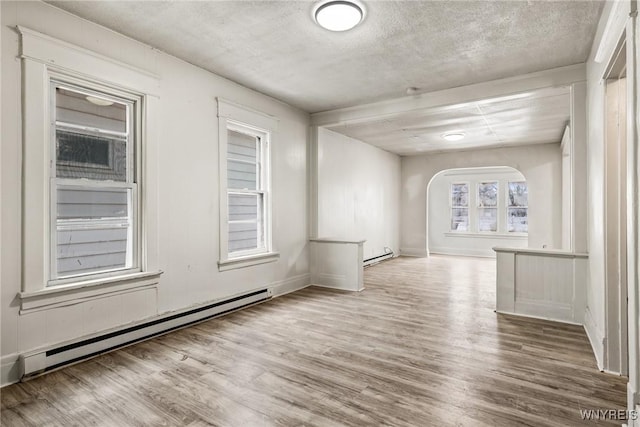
<point>471,210</point>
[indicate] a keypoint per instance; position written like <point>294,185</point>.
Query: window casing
<point>85,147</point>
<point>94,179</point>
<point>459,207</point>
<point>244,147</point>
<point>517,207</point>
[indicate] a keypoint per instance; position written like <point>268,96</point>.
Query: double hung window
<point>245,186</point>
<point>93,182</point>
<point>246,190</point>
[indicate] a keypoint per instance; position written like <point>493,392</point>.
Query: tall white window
<point>459,207</point>
<point>247,190</point>
<point>517,207</point>
<point>94,182</point>
<point>488,206</point>
<point>87,230</point>
<point>245,138</point>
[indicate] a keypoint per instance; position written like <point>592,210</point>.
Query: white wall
<point>541,165</point>
<point>188,198</point>
<point>471,243</point>
<point>358,193</point>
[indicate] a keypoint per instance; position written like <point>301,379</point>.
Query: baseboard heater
<point>377,259</point>
<point>36,363</point>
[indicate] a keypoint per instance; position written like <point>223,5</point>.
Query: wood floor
<point>420,346</point>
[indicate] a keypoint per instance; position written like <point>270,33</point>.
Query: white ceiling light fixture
<point>453,136</point>
<point>98,101</point>
<point>338,15</point>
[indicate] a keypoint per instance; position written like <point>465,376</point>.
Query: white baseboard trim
<point>340,282</point>
<point>463,252</point>
<point>633,397</point>
<point>9,369</point>
<point>532,316</point>
<point>292,284</point>
<point>337,288</point>
<point>10,365</point>
<point>415,252</point>
<point>596,338</point>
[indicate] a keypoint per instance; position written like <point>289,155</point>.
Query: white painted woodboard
<point>541,283</point>
<point>337,264</point>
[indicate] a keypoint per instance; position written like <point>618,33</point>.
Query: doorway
<point>616,355</point>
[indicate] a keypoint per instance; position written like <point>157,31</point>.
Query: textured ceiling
<point>275,47</point>
<point>521,119</point>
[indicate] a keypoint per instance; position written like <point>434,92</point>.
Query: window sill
<point>76,292</point>
<point>487,235</point>
<point>247,261</point>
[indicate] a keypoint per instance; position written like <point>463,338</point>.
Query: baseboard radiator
<point>376,259</point>
<point>36,363</point>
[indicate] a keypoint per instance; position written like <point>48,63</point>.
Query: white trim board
<point>414,252</point>
<point>62,55</point>
<point>596,338</point>
<point>482,253</point>
<point>292,284</point>
<point>9,369</point>
<point>10,364</point>
<point>562,76</point>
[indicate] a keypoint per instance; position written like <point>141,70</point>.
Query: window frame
<point>245,120</point>
<point>132,179</point>
<point>452,207</point>
<point>263,184</point>
<point>42,58</point>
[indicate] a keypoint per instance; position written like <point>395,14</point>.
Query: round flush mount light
<point>338,15</point>
<point>98,101</point>
<point>453,136</point>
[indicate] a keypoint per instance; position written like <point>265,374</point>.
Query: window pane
<point>243,236</point>
<point>75,108</point>
<point>98,248</point>
<point>92,203</point>
<point>242,147</point>
<point>518,194</point>
<point>94,230</point>
<point>91,139</point>
<point>242,175</point>
<point>517,220</point>
<point>459,195</point>
<point>487,194</point>
<point>487,219</point>
<point>460,219</point>
<point>245,222</point>
<point>243,207</point>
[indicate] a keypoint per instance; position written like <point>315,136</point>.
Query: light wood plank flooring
<point>420,346</point>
